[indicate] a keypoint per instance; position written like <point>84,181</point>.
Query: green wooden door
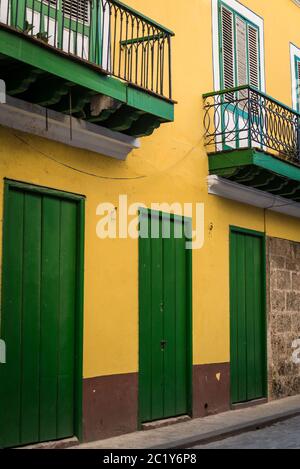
<point>248,316</point>
<point>165,317</point>
<point>38,317</point>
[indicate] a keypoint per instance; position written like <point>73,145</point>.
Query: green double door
<point>165,320</point>
<point>38,325</point>
<point>248,316</point>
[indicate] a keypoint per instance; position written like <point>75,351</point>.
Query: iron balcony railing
<point>116,39</point>
<point>246,118</point>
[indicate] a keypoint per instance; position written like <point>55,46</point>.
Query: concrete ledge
<point>36,120</point>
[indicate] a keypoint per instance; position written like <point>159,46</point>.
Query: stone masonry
<point>283,287</point>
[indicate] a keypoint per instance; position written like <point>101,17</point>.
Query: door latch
<point>163,344</point>
<point>2,352</point>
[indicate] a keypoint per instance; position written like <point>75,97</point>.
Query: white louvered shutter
<point>253,57</point>
<point>241,51</point>
<point>228,48</point>
<point>77,10</point>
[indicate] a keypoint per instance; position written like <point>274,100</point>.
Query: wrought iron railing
<point>246,118</point>
<point>105,33</point>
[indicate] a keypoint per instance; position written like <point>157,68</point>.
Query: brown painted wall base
<point>211,389</point>
<point>110,403</point>
<point>110,406</point>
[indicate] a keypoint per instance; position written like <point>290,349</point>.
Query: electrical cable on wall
<point>52,158</point>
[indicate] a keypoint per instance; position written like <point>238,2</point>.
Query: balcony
<point>97,60</point>
<point>253,143</point>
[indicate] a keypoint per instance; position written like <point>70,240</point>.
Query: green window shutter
<point>253,44</point>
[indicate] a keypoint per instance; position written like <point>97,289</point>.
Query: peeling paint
<point>296,353</point>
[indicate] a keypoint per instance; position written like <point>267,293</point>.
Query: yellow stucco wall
<point>171,166</point>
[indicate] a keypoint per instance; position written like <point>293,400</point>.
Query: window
<point>238,52</point>
<point>238,61</point>
<point>239,45</point>
<point>79,9</point>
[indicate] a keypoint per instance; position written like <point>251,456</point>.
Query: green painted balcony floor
<point>259,170</point>
<point>37,73</point>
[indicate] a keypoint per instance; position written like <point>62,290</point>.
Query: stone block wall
<point>283,297</point>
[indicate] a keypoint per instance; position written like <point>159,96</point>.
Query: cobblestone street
<point>284,435</point>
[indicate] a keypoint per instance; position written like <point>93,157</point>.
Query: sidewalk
<point>198,431</point>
